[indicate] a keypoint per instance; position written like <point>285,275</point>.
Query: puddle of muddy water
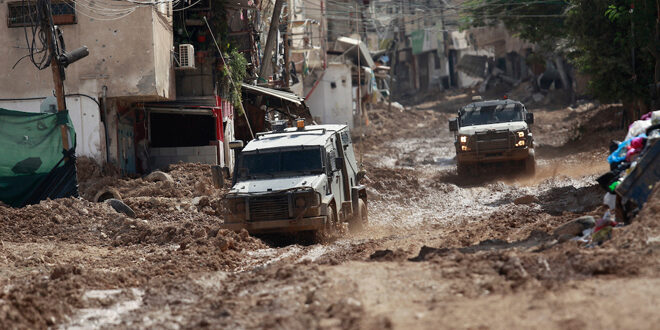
<point>88,318</point>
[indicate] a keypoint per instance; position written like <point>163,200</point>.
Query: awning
<point>207,105</point>
<point>349,48</point>
<point>282,95</point>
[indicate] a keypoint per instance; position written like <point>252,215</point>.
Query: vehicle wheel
<point>330,229</point>
<point>530,165</point>
<point>360,220</point>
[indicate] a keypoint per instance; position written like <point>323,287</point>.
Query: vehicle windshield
<point>279,163</point>
<point>484,115</point>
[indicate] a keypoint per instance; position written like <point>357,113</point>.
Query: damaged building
<point>147,95</point>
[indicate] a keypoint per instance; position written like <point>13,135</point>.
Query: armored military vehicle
<point>496,131</point>
<point>302,179</point>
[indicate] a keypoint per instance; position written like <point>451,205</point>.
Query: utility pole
<point>286,40</point>
<point>265,69</point>
<point>359,68</point>
<point>58,71</point>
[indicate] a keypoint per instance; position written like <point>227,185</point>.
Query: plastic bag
<point>637,128</point>
<point>655,117</point>
<point>619,154</point>
<point>610,200</point>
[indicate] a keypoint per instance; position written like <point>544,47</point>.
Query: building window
<point>22,13</point>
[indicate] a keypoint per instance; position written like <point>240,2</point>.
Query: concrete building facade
<point>129,59</point>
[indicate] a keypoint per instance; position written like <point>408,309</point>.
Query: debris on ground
<point>473,248</point>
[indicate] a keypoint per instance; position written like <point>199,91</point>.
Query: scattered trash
<point>603,229</point>
<point>574,228</point>
<point>633,169</point>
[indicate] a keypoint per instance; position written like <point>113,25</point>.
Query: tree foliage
<point>597,36</point>
<point>231,77</point>
<point>601,36</point>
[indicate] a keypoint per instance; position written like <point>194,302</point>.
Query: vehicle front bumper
<point>278,226</point>
<point>488,156</point>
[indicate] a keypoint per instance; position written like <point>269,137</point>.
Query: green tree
<point>598,36</point>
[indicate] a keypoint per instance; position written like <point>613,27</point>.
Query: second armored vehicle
<point>496,131</point>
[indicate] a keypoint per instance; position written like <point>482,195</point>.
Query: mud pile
<point>59,249</point>
<point>189,180</point>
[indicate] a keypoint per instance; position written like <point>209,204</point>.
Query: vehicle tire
<point>330,230</point>
<point>360,220</point>
<point>120,207</point>
<point>530,165</point>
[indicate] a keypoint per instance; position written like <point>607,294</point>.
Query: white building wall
<point>131,56</point>
<point>333,105</point>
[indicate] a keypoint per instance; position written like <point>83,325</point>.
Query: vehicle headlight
<point>239,205</point>
<point>236,204</point>
<point>300,202</point>
<point>520,143</point>
<point>308,198</point>
<point>521,134</point>
<point>463,139</point>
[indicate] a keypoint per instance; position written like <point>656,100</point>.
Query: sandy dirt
<point>441,251</point>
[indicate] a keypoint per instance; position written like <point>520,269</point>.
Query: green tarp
<point>31,154</point>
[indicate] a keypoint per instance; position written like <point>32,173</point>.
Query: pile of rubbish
<point>634,168</point>
<point>634,171</point>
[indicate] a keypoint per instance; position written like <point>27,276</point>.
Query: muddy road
<point>440,251</point>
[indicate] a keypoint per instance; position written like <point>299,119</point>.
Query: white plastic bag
<point>610,200</point>
<point>637,128</point>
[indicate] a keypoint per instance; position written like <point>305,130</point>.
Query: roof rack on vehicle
<point>260,134</point>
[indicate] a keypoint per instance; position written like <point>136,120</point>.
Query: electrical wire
<point>36,40</point>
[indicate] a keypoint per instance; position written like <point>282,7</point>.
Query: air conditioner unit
<point>186,56</point>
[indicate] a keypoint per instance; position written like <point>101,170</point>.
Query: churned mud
<point>441,251</point>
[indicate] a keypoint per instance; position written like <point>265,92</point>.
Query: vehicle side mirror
<point>339,163</point>
<point>237,144</point>
<point>453,125</point>
<point>529,118</point>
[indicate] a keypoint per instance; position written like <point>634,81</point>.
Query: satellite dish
<point>49,105</point>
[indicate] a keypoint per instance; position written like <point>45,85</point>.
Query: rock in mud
<point>120,207</point>
<point>388,255</point>
<point>574,228</point>
<point>156,176</point>
<point>527,199</point>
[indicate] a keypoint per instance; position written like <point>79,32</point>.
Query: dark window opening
<point>23,13</point>
<point>436,59</point>
<point>174,130</point>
